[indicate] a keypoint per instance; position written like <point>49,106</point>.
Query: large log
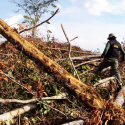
<point>106,69</point>
<point>81,58</point>
<point>86,94</point>
<point>120,99</point>
<point>16,112</point>
<point>65,50</point>
<point>87,62</point>
<point>103,83</point>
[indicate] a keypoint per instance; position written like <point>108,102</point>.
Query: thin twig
<point>87,71</point>
<point>69,100</point>
<point>73,38</point>
<point>52,108</point>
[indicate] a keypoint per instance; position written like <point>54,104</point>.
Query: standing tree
<point>34,10</point>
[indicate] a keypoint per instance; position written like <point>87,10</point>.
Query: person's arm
<point>123,53</point>
<point>105,51</point>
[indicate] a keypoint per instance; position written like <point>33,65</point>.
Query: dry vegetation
<point>19,69</point>
<point>24,80</point>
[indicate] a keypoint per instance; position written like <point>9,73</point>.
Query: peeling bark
<point>86,94</point>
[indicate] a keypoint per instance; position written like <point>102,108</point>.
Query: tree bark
<point>103,83</point>
<point>16,112</point>
<point>86,62</point>
<point>86,94</point>
<point>105,69</point>
<point>120,99</point>
<point>81,58</point>
<point>59,96</point>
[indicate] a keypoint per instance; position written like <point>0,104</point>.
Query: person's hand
<point>101,59</point>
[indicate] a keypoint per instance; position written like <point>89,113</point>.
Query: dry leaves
<point>109,115</point>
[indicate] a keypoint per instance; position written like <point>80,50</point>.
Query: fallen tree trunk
<point>120,99</point>
<point>65,50</point>
<point>103,83</point>
<point>87,94</point>
<point>81,58</point>
<point>86,62</point>
<point>16,112</point>
<point>105,69</point>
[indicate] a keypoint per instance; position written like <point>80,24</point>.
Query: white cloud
<point>47,27</point>
<point>97,7</point>
<point>13,21</point>
<point>123,3</point>
<point>42,30</point>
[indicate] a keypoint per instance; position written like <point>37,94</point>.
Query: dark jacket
<point>112,50</point>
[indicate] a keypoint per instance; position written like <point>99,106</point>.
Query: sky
<point>89,20</point>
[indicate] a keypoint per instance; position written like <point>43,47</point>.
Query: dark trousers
<point>114,65</point>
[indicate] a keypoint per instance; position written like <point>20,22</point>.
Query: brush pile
<point>22,79</point>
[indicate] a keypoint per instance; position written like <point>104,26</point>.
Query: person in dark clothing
<point>110,56</point>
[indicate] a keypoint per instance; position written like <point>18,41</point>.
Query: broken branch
<point>60,96</point>
<point>70,52</point>
<point>40,23</point>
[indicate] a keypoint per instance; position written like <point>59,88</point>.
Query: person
<point>110,57</point>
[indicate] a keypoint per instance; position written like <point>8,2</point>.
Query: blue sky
<point>90,20</point>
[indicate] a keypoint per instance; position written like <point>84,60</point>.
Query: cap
<point>111,35</point>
